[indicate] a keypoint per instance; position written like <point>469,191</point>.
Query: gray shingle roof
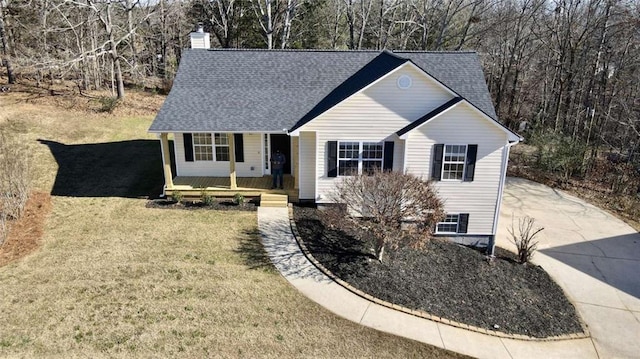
<point>259,90</point>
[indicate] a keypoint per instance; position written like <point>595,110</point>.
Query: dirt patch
<point>67,96</point>
<point>446,280</point>
<point>25,233</point>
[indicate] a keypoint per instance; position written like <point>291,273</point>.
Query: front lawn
<point>113,278</point>
<point>446,280</point>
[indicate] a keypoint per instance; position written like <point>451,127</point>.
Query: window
<point>449,224</point>
<point>222,146</point>
<point>348,155</point>
<point>359,157</point>
<point>202,147</point>
<point>372,157</point>
<point>453,223</point>
<point>453,162</point>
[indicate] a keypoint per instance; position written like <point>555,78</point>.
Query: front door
<point>282,143</point>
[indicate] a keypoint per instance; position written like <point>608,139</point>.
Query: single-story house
<point>334,113</point>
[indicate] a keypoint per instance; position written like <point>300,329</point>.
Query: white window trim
<point>464,162</point>
<point>359,159</point>
<point>194,145</point>
<point>212,145</point>
<point>215,146</point>
<point>457,224</point>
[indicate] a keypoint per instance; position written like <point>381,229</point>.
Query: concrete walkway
<point>594,257</point>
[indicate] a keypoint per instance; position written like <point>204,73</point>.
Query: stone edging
<point>418,313</point>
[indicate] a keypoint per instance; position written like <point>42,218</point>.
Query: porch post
<point>166,159</point>
<point>232,161</point>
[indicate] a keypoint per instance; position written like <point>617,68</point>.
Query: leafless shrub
<point>394,208</point>
<point>524,240</point>
<point>14,181</point>
<point>4,226</point>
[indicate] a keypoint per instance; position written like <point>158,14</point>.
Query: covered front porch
<point>194,186</point>
<point>245,171</point>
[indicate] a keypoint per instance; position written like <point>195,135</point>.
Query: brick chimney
<point>199,38</point>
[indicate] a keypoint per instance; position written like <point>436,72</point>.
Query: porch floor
<point>192,186</point>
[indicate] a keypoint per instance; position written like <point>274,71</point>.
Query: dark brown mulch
<point>219,205</point>
<point>447,280</point>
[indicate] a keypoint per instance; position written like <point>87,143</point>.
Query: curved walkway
<point>561,255</point>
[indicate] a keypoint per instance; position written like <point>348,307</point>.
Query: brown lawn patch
<point>26,232</point>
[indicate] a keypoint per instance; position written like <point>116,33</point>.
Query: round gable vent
<point>404,82</point>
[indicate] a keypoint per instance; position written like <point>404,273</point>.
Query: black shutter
<point>188,147</point>
<point>472,151</point>
<point>436,167</point>
<point>463,222</point>
<point>239,146</point>
<point>332,159</point>
<point>387,162</point>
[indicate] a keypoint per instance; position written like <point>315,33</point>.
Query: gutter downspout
<point>491,246</point>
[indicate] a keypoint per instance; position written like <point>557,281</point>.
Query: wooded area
<point>562,72</point>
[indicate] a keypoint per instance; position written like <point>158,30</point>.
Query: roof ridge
<point>388,51</point>
<point>285,50</point>
<point>438,52</point>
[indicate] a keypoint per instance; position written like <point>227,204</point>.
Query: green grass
<point>116,279</point>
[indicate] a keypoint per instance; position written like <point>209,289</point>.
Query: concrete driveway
<point>593,256</point>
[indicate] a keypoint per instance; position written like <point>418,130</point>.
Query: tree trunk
<point>364,17</point>
<point>5,48</point>
<point>351,24</point>
<point>114,55</point>
<point>288,18</point>
<point>269,24</point>
<point>11,77</point>
<point>119,81</point>
<point>132,40</point>
<point>265,19</point>
<point>380,250</point>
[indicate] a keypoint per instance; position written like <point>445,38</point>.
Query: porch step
<point>273,200</point>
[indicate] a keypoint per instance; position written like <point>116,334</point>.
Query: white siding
<point>251,167</point>
<point>462,125</point>
<point>307,180</point>
<point>375,115</point>
<point>383,108</point>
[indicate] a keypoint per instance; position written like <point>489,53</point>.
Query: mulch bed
<point>25,233</point>
<point>219,205</point>
<point>446,280</point>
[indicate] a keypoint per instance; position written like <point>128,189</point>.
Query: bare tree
<point>265,14</point>
<point>525,238</point>
<point>289,15</point>
<point>395,209</point>
<point>14,181</point>
<point>4,60</point>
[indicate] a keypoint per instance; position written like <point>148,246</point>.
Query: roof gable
<point>377,68</point>
<point>402,133</point>
<point>434,113</point>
